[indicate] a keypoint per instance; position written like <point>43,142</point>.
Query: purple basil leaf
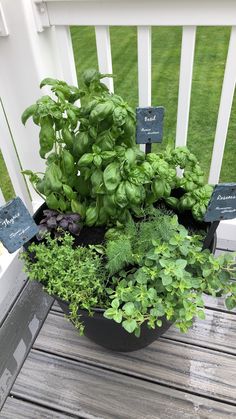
<point>52,222</point>
<point>63,223</point>
<point>50,213</point>
<point>43,221</point>
<point>60,217</point>
<point>74,229</point>
<point>75,217</point>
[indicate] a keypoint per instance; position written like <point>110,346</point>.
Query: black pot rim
<point>84,310</point>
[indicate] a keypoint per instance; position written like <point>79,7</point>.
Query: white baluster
<point>104,54</point>
<point>144,68</point>
<point>226,101</point>
<point>185,83</point>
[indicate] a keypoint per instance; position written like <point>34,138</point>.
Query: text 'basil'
<point>149,125</point>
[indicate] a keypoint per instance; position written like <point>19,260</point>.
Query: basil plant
<point>93,165</point>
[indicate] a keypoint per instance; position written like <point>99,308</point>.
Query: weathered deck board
<point>215,303</point>
<point>87,391</point>
<point>56,307</point>
<point>217,331</point>
<point>19,331</point>
<point>19,409</point>
<point>206,372</point>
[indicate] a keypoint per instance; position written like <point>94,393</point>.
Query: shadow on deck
<point>65,375</point>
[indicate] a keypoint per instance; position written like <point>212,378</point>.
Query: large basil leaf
<point>111,176</point>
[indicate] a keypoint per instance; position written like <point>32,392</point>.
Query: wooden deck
<point>178,376</point>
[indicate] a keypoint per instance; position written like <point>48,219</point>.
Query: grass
<point>5,182</point>
<point>209,64</point>
<point>210,56</point>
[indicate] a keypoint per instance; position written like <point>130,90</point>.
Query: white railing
<point>38,45</point>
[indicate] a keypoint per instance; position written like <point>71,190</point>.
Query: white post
<point>226,101</point>
<point>65,55</point>
<point>185,83</point>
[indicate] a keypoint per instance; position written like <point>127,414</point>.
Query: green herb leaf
<point>129,325</point>
<point>28,113</point>
<point>129,308</point>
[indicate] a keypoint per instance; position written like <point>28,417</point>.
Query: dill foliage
<point>129,245</point>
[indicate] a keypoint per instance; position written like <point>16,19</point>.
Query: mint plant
<point>93,166</point>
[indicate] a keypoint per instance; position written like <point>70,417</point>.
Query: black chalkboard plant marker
<point>222,206</point>
<point>17,226</point>
<point>149,126</point>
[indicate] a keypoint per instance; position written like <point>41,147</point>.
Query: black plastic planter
<point>112,335</point>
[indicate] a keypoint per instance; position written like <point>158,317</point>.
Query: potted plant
<point>130,269</point>
<point>125,293</point>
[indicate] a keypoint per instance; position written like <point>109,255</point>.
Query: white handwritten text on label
<point>7,222</point>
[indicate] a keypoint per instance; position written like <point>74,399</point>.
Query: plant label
<point>222,205</point>
<point>16,225</point>
<point>149,125</point>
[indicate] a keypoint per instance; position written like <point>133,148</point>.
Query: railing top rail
<point>187,3</point>
<point>150,12</point>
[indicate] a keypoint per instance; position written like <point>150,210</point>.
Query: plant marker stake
<point>210,234</point>
<point>148,148</point>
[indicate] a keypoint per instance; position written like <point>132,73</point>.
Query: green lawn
<point>210,55</point>
<point>5,183</point>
